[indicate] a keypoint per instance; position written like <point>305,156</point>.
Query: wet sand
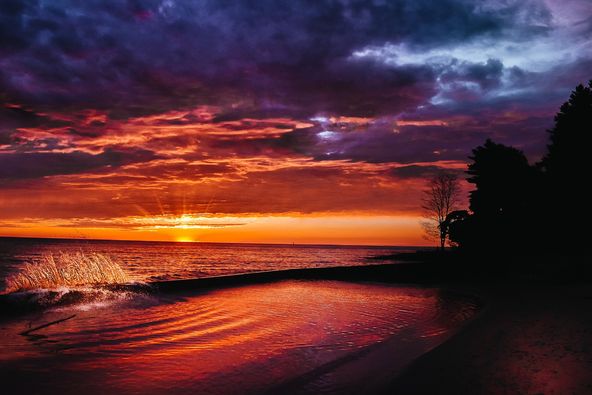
<point>529,339</point>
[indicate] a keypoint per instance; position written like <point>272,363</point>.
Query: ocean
<point>285,336</point>
<point>150,261</point>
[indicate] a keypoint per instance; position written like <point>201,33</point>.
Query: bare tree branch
<point>441,197</point>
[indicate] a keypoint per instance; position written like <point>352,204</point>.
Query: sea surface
<point>148,261</point>
<point>283,337</point>
<point>288,336</point>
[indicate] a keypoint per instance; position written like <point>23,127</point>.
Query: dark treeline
<point>542,207</point>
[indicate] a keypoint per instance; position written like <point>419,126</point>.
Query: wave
<point>66,270</point>
<point>79,280</point>
<point>73,298</point>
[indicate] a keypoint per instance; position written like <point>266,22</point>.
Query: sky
<point>305,121</point>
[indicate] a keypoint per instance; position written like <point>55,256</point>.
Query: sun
<point>184,239</point>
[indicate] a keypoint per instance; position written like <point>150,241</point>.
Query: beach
<point>528,339</point>
<point>268,336</point>
<point>405,327</point>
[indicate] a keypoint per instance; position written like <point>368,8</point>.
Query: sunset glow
<point>276,129</point>
<point>184,239</point>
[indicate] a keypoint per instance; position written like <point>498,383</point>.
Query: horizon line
<point>214,242</point>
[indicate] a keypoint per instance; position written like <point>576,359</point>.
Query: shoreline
<point>392,273</point>
<point>529,335</point>
<point>527,339</point>
<point>374,368</point>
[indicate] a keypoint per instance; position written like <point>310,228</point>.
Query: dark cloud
<point>15,166</point>
<point>148,56</point>
<point>383,141</point>
<point>486,75</point>
<point>6,137</point>
<point>13,116</point>
<point>86,132</point>
<point>379,142</point>
<point>422,172</point>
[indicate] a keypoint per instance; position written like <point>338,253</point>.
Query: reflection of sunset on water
<point>256,337</point>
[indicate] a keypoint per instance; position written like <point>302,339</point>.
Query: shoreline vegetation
<point>522,247</point>
<point>518,207</point>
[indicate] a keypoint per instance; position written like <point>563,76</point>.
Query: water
<point>289,336</point>
<point>145,261</point>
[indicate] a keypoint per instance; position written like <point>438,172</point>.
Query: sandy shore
<point>529,339</point>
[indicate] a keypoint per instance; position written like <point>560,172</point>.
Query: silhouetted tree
<point>568,153</point>
<point>440,199</point>
<point>454,226</point>
<point>501,175</point>
<point>567,168</point>
<point>502,201</point>
<point>520,207</point>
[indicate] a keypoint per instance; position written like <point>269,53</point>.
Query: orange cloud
<point>182,175</point>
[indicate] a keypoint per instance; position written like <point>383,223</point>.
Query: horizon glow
<point>278,123</point>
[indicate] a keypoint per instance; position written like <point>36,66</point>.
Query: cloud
<point>422,172</point>
<point>485,75</point>
<point>134,58</point>
<point>16,166</point>
<point>13,116</point>
<point>155,106</point>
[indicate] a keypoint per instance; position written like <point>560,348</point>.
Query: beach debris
<point>29,331</point>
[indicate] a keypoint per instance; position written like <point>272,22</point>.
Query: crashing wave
<point>68,279</point>
<point>67,270</point>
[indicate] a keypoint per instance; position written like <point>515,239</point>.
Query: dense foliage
<point>520,207</point>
